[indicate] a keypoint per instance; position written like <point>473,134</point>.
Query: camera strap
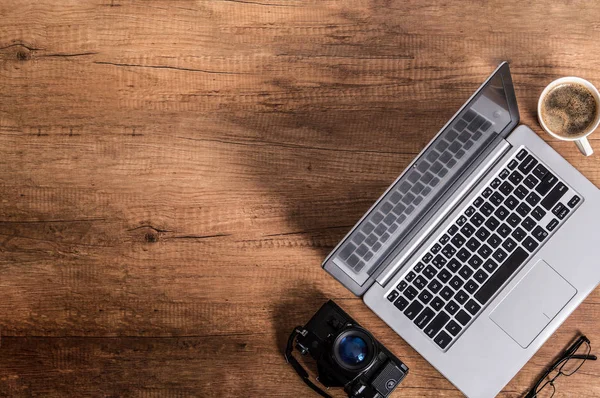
<point>296,365</point>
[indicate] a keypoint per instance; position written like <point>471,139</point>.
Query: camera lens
<point>354,349</point>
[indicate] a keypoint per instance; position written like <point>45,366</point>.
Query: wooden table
<point>172,174</point>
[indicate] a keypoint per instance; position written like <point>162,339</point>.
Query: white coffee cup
<point>581,141</point>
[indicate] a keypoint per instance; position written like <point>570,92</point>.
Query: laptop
<point>481,248</point>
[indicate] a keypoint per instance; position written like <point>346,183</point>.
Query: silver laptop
<point>481,248</point>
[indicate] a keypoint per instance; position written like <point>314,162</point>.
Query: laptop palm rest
<point>533,303</point>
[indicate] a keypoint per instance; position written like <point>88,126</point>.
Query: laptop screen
<point>388,222</point>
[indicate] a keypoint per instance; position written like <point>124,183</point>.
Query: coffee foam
<point>569,110</point>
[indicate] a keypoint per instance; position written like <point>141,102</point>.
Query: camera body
<point>348,355</point>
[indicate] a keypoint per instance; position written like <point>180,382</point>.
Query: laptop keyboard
<point>487,242</point>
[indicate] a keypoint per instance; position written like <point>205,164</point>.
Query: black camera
<point>347,355</point>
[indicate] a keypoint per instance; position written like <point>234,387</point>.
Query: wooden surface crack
<point>168,67</point>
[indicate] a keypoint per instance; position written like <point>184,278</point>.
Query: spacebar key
<point>512,263</point>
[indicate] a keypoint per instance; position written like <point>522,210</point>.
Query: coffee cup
<point>569,110</point>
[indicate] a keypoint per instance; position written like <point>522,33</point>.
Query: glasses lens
<point>572,365</point>
<point>353,350</point>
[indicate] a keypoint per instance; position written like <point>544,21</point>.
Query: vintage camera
<point>347,355</point>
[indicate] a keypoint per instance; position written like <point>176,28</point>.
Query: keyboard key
<point>437,303</point>
<point>482,233</point>
<point>540,171</point>
<point>410,276</point>
<point>504,173</point>
<point>513,220</point>
<point>539,233</point>
<point>499,255</point>
<point>496,198</point>
<point>424,317</point>
<point>519,234</point>
<point>560,211</point>
<point>451,307</point>
<point>413,309</point>
<point>463,317</point>
<point>458,240</point>
<point>477,219</point>
<point>511,202</point>
<point>506,188</point>
<point>538,213</point>
<point>461,221</point>
<point>347,251</point>
<point>446,293</point>
<point>448,250</point>
<point>546,184</point>
<point>469,115</point>
<point>393,295</point>
<point>521,192</point>
<point>420,282</point>
<point>533,199</point>
<point>513,164</point>
<point>439,261</point>
<point>530,244</point>
<point>465,272</point>
<point>435,249</point>
<point>484,251</point>
<point>453,265</point>
<point>471,286</point>
<point>573,201</point>
<point>497,279</point>
<point>480,276</point>
<point>434,286</point>
<point>473,244</point>
<point>419,267</point>
<point>501,213</point>
<point>552,224</point>
<point>376,246</point>
<point>486,192</point>
<point>490,266</point>
<point>442,339</point>
<point>463,255</point>
<point>528,164</point>
<point>494,241</point>
<point>554,196</point>
<point>522,153</point>
<point>461,296</point>
<point>528,223</point>
<point>429,272</point>
<point>401,303</point>
<point>492,223</point>
<point>453,229</point>
<point>410,293</point>
<point>437,324</point>
<point>427,258</point>
<point>523,209</point>
<point>402,285</point>
<point>453,327</point>
<point>472,307</point>
<point>504,230</point>
<point>425,296</point>
<point>487,209</point>
<point>530,181</point>
<point>515,177</point>
<point>509,245</point>
<point>475,261</point>
<point>495,183</point>
<point>456,283</point>
<point>478,202</point>
<point>444,239</point>
<point>444,275</point>
<point>353,260</point>
<point>469,211</point>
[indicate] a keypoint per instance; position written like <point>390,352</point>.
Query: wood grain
<point>172,174</point>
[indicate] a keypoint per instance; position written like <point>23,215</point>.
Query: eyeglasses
<point>569,362</point>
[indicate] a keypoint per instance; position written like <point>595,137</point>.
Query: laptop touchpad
<point>533,303</point>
